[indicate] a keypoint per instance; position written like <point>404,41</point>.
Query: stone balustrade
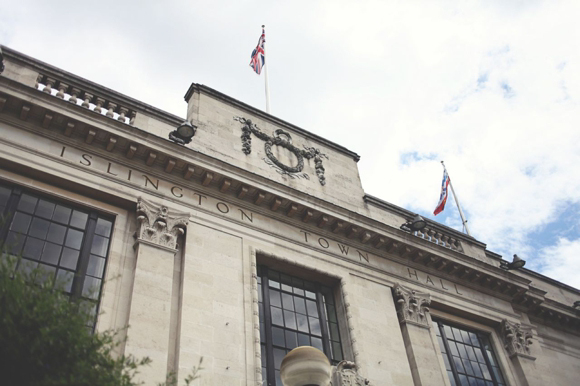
<point>436,236</point>
<point>86,99</point>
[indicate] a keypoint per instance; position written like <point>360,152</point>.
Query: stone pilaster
<point>345,374</point>
<point>517,340</point>
<point>150,315</point>
<point>422,351</point>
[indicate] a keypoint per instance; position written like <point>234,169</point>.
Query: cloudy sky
<point>491,87</point>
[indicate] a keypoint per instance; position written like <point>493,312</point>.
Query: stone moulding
<point>158,225</point>
<point>517,339</point>
<point>282,138</point>
<point>412,306</point>
<point>345,374</point>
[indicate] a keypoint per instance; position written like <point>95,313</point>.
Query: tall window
<point>468,356</point>
<point>294,312</point>
<point>65,241</point>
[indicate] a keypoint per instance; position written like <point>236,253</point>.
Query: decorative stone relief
<point>517,339</point>
<point>158,225</point>
<point>412,306</point>
<point>282,138</point>
<point>345,374</point>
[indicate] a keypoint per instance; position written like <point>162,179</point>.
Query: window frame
<point>439,323</point>
<point>89,232</point>
<point>262,274</point>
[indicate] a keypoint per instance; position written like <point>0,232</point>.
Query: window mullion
<point>78,282</point>
<point>323,325</point>
<point>487,361</point>
<point>9,211</point>
<point>268,326</point>
<point>448,353</point>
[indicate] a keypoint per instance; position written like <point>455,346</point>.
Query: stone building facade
<point>254,238</point>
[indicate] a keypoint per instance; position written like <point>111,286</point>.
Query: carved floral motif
<point>158,225</point>
<point>282,138</point>
<point>345,374</point>
<point>412,306</point>
<point>517,339</point>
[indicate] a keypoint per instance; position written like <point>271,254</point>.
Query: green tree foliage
<point>44,339</point>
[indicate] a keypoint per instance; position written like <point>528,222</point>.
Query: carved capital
<point>345,374</point>
<point>517,339</point>
<point>412,306</point>
<point>159,225</point>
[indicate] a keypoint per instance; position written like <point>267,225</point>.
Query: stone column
<point>517,341</point>
<point>149,318</point>
<point>422,351</point>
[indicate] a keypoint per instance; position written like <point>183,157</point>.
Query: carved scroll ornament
<point>412,306</point>
<point>158,225</point>
<point>517,339</point>
<point>282,138</point>
<point>345,374</point>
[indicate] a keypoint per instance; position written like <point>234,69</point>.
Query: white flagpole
<point>266,75</point>
<point>457,202</point>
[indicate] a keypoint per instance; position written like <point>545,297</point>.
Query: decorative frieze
<point>517,339</point>
<point>345,374</point>
<point>158,225</point>
<point>412,306</point>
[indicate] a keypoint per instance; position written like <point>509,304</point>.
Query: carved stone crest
<point>283,139</point>
<point>345,374</point>
<point>158,225</point>
<point>412,306</point>
<point>517,339</point>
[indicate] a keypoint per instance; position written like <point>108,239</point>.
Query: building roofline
<point>228,99</point>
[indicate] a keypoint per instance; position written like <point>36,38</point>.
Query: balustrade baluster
<point>122,114</point>
<point>445,239</point>
<point>49,83</point>
<point>73,95</point>
<point>132,120</point>
<point>111,111</point>
<point>99,105</point>
<point>87,100</point>
<point>62,88</point>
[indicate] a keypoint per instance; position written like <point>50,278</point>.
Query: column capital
<point>345,374</point>
<point>412,306</point>
<point>159,225</point>
<point>517,339</point>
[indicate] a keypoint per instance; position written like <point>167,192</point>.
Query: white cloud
<point>562,261</point>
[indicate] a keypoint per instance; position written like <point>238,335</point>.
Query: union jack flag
<point>259,55</point>
<point>444,194</point>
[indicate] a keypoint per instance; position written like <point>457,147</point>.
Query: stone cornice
<point>195,87</point>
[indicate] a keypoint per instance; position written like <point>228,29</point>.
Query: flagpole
<point>457,202</point>
<point>266,76</point>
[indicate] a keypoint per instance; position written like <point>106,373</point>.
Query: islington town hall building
<point>232,235</point>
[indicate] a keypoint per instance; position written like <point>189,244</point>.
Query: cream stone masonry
<point>207,214</point>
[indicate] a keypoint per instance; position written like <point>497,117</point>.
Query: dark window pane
<point>27,266</point>
<point>298,286</point>
<point>274,279</point>
<point>100,245</point>
<point>69,258</point>
<point>303,340</point>
<point>61,214</point>
<point>91,287</point>
<point>33,248</point>
<point>310,294</point>
<point>291,340</point>
<point>446,360</point>
<point>79,219</point>
<point>451,378</point>
<point>20,222</point>
<point>463,380</point>
<point>27,203</point>
<point>4,196</point>
<point>286,282</point>
<point>441,345</point>
<point>312,308</point>
<point>467,366</point>
<point>448,332</point>
<point>65,278</point>
<point>497,374</point>
<point>461,349</point>
<point>476,369</point>
<point>479,355</point>
<point>287,302</point>
<point>457,334</point>
<point>103,227</point>
<point>473,339</point>
<point>277,317</point>
<point>331,314</point>
<point>275,298</point>
<point>278,380</point>
<point>333,327</point>
<point>300,305</point>
<point>260,300</point>
<point>39,228</point>
<point>14,243</point>
<point>278,337</point>
<point>51,253</point>
<point>458,364</point>
<point>485,372</point>
<point>46,272</point>
<point>56,233</point>
<point>315,326</point>
<point>327,295</point>
<point>74,239</point>
<point>279,354</point>
<point>453,348</point>
<point>290,320</point>
<point>302,322</point>
<point>96,266</point>
<point>336,351</point>
<point>317,342</point>
<point>44,209</point>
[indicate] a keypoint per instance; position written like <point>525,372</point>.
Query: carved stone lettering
<point>282,138</point>
<point>345,374</point>
<point>158,225</point>
<point>412,306</point>
<point>517,339</point>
